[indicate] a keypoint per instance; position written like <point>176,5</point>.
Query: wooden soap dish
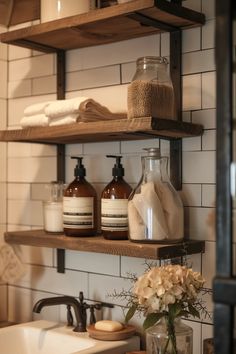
<point>126,332</point>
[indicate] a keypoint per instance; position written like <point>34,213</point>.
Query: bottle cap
<point>118,170</point>
<point>79,170</point>
<point>153,152</point>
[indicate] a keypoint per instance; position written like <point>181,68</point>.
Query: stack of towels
<point>80,109</point>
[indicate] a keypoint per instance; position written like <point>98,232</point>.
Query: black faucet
<point>80,311</point>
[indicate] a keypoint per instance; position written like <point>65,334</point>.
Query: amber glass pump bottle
<point>79,205</point>
<point>114,204</point>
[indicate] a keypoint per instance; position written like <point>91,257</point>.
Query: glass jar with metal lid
<point>151,92</point>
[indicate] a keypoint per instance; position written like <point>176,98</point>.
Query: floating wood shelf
<point>99,245</point>
<point>111,24</point>
<point>123,129</point>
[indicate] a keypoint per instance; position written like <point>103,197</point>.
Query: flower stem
<point>171,333</point>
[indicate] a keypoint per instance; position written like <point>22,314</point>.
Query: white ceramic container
<point>55,9</point>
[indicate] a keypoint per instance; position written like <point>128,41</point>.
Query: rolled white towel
<point>67,119</point>
<point>64,107</point>
<point>35,109</point>
<point>37,120</point>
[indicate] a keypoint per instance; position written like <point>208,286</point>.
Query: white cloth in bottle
<point>146,202</point>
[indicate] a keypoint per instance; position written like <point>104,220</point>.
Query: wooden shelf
<point>124,129</point>
<point>111,24</point>
<point>98,244</point>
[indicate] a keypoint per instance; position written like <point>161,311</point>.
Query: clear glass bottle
<point>155,210</point>
<point>151,92</point>
<point>158,340</point>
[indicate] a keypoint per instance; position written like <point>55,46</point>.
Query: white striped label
<point>114,214</point>
<point>78,212</point>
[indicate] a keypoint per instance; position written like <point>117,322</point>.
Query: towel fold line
<point>35,109</point>
<point>37,120</point>
<point>67,119</point>
<point>61,112</point>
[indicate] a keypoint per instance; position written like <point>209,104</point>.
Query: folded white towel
<point>38,120</point>
<point>61,112</point>
<point>68,119</point>
<point>64,107</point>
<point>35,109</point>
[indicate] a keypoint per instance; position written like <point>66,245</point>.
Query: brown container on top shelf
<point>151,93</point>
<point>80,205</point>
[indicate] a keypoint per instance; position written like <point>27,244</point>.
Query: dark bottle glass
<point>114,205</point>
<point>80,205</point>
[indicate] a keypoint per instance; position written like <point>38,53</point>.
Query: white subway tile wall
<point>103,73</point>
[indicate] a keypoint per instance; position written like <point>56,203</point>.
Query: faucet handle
<point>92,319</point>
<point>81,297</point>
<point>97,306</point>
<point>69,316</point>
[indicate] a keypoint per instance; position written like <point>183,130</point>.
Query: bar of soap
<point>108,326</point>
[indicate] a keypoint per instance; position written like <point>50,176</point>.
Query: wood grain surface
<point>101,26</point>
<point>98,244</point>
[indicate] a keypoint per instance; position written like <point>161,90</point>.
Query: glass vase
<point>159,340</point>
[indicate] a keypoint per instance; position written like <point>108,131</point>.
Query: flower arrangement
<point>167,292</point>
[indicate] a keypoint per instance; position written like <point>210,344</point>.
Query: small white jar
<point>53,208</point>
<point>52,212</point>
<point>55,9</point>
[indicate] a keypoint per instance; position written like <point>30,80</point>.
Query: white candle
<point>53,216</point>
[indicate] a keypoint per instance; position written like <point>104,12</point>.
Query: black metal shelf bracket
<point>61,80</point>
<point>175,72</point>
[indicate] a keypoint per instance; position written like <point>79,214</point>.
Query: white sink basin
<point>43,337</point>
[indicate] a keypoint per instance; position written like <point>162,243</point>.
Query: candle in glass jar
<point>53,216</point>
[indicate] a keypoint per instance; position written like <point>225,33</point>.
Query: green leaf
<point>174,310</point>
<point>151,319</point>
<point>193,311</point>
<point>183,313</point>
<point>130,313</point>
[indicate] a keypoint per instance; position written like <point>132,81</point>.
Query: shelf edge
<point>97,244</point>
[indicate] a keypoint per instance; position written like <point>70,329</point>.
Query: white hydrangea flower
<point>162,286</point>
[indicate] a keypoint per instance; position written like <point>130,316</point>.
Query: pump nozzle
<point>79,170</point>
<point>118,170</point>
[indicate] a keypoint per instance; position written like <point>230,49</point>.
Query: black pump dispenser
<point>118,170</point>
<point>79,170</point>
